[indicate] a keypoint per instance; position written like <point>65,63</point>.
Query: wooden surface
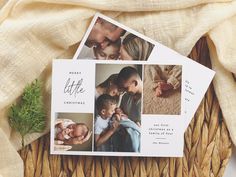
<point>207,148</point>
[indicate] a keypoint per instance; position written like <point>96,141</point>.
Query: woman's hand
<point>86,138</point>
<point>78,140</point>
<point>82,139</point>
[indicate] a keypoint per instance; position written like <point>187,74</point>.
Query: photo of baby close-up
<point>71,132</point>
<point>162,87</point>
<point>107,41</point>
<point>65,133</point>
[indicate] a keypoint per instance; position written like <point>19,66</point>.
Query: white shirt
<point>100,125</point>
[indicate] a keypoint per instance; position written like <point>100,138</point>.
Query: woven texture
<point>207,148</point>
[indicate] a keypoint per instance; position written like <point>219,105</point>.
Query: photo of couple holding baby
<point>118,108</point>
<point>106,41</point>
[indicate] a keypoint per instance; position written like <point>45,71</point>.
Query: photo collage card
<point>123,94</point>
<point>99,108</point>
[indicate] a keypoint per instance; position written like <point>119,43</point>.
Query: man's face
<point>130,85</point>
<point>102,33</point>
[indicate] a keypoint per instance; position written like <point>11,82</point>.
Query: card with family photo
<point>100,108</point>
<point>107,39</point>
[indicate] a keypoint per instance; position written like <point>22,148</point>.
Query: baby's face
<point>78,130</point>
<point>119,111</point>
<point>113,90</point>
<point>68,130</point>
<point>111,52</point>
<point>109,111</point>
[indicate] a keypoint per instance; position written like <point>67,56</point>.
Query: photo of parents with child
<point>106,41</point>
<point>118,101</point>
<point>72,131</point>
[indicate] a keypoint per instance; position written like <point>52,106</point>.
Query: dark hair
<point>104,22</point>
<point>112,27</point>
<point>110,80</point>
<point>104,101</point>
<point>125,74</point>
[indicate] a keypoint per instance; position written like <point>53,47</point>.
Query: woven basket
<point>206,152</point>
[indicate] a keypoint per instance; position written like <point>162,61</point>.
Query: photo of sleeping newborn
<point>66,129</point>
<point>118,108</point>
<point>72,131</point>
<point>107,41</point>
<point>162,89</point>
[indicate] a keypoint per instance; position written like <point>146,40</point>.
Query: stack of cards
<point>124,94</point>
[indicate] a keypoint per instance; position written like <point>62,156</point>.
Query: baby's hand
<point>115,125</point>
<point>165,86</point>
<point>158,91</point>
<point>162,87</point>
<point>117,117</point>
<point>65,131</point>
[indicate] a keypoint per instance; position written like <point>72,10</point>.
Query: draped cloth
<point>32,33</point>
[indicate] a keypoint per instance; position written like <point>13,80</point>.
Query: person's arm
<point>116,116</point>
<point>60,136</point>
<point>154,73</point>
<point>77,140</point>
<point>102,138</point>
<point>175,77</point>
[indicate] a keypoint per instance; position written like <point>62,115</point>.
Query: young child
<point>106,106</point>
<point>67,129</point>
<point>110,52</point>
<point>164,77</point>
